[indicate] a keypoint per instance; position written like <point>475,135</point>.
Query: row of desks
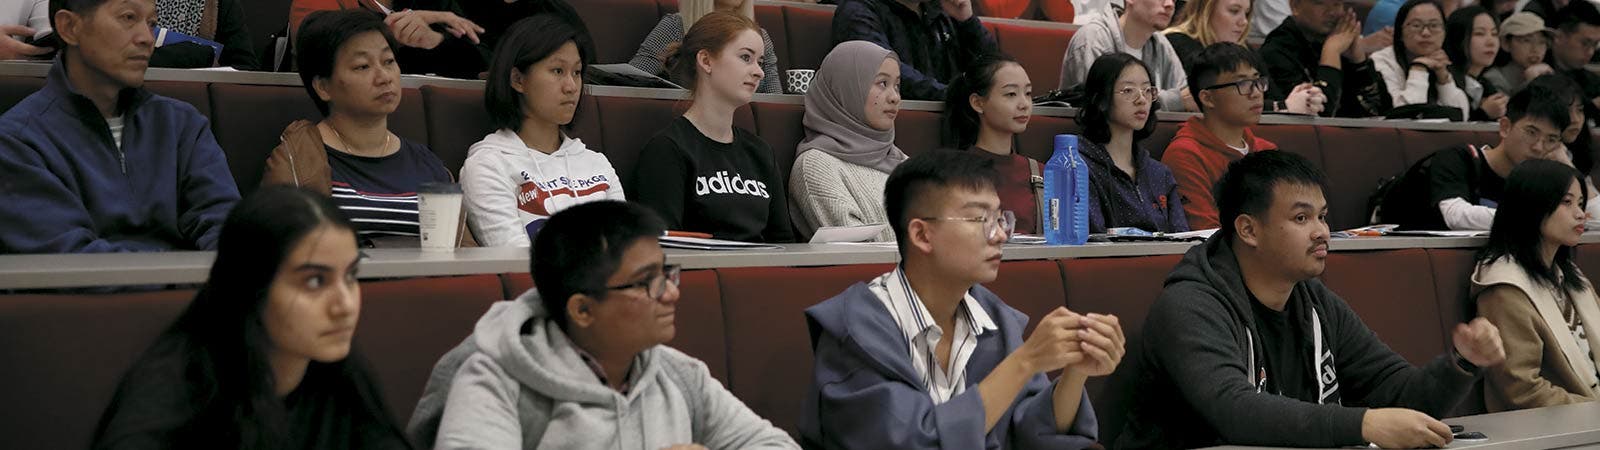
<point>118,269</point>
<point>1564,427</point>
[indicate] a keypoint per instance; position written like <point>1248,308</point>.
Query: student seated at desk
<point>1459,188</point>
<point>262,357</point>
<point>219,21</point>
<point>924,357</point>
<point>94,163</point>
<point>1528,285</point>
<point>987,107</point>
<point>701,173</point>
<point>348,67</point>
<point>1229,87</point>
<point>529,168</point>
<point>1127,188</point>
<point>1246,347</point>
<point>580,361</point>
<point>849,148</point>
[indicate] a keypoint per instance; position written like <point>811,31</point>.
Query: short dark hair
<point>917,180</point>
<point>1247,186</point>
<point>81,7</point>
<point>1211,62</point>
<point>1548,97</point>
<point>528,41</point>
<point>1577,12</point>
<point>1533,191</point>
<point>579,247</point>
<point>322,34</point>
<point>1099,94</point>
<point>961,123</point>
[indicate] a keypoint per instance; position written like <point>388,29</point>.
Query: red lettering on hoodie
<point>532,199</point>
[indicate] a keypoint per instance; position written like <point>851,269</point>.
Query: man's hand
<point>15,49</point>
<point>1305,99</point>
<point>960,10</point>
<point>1403,428</point>
<point>1495,105</point>
<point>1054,344</point>
<point>1103,345</point>
<point>1479,341</point>
<point>1376,41</point>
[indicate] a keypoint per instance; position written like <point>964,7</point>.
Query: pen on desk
<point>687,234</point>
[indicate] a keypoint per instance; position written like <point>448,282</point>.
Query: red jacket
<point>1197,159</point>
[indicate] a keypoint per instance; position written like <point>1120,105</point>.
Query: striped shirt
<point>922,334</point>
<point>379,195</point>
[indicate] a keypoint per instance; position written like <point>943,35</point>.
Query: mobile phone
<point>1472,436</point>
<point>1457,428</point>
<point>47,40</point>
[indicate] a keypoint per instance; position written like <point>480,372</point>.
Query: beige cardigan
<point>1540,351</point>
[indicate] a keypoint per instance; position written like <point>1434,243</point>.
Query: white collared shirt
<point>922,334</point>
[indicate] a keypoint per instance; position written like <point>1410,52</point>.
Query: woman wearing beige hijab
<point>841,165</point>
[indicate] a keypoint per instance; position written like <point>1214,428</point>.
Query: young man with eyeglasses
<point>1227,83</point>
<point>1246,347</point>
<point>1459,188</point>
<point>579,361</point>
<point>1576,38</point>
<point>924,357</point>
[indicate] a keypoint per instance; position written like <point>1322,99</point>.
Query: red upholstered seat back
<point>807,52</point>
<point>618,26</point>
<point>1039,50</point>
<point>769,349</point>
<point>780,126</point>
<point>916,131</point>
<point>457,120</point>
<point>1124,287</point>
<point>1039,141</point>
<point>1033,287</point>
<point>406,325</point>
<point>14,89</point>
<point>195,94</point>
<point>1356,160</point>
<point>770,18</point>
<point>1416,145</point>
<point>65,355</point>
<point>1393,292</point>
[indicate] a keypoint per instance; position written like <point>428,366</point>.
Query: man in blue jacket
<point>933,38</point>
<point>924,357</point>
<point>93,162</point>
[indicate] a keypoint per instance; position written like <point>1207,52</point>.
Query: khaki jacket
<point>301,159</point>
<point>1540,351</point>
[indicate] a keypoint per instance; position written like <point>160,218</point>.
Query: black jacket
<point>1292,57</point>
<point>1195,383</point>
<point>931,46</point>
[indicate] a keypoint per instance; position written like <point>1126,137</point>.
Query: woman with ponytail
<point>987,106</point>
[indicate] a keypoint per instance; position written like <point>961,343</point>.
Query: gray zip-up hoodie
<point>1199,362</point>
<point>1102,34</point>
<point>525,387</point>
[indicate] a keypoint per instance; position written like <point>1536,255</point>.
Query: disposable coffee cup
<point>439,214</point>
<point>798,81</point>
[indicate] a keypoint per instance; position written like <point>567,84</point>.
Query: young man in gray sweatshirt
<point>1246,347</point>
<point>578,362</point>
<point>1137,32</point>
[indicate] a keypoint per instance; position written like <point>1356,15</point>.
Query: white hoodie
<point>512,189</point>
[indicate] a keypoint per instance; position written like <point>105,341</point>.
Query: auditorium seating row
<point>247,120</point>
<point>65,353</point>
<point>619,26</point>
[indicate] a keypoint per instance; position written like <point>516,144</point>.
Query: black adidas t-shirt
<point>732,191</point>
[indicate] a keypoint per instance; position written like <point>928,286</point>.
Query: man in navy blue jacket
<point>93,162</point>
<point>933,38</point>
<point>923,357</point>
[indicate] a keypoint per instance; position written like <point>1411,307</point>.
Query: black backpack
<point>1411,189</point>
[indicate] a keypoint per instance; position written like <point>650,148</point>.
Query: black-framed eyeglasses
<point>656,285</point>
<point>1005,221</point>
<point>1245,87</point>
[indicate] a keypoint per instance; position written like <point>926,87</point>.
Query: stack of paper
<point>691,243</point>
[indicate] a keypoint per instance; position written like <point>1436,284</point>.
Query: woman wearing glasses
<point>1416,69</point>
<point>580,361</point>
<point>1126,187</point>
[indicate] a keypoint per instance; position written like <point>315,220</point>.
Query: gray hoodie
<point>1102,34</point>
<point>527,388</point>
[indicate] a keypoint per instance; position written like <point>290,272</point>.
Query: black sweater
<point>1195,389</point>
<point>1292,57</point>
<point>732,191</point>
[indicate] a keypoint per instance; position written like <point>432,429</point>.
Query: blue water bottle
<point>1066,194</point>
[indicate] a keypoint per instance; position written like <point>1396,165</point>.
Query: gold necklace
<point>352,149</point>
